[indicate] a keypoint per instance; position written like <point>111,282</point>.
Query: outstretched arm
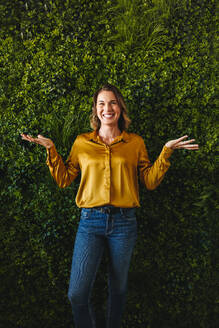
<point>152,174</point>
<point>63,174</point>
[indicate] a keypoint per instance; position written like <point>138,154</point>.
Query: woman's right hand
<point>40,140</point>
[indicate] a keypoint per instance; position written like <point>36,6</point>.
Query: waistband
<point>109,209</point>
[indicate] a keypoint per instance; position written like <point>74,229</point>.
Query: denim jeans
<point>98,228</point>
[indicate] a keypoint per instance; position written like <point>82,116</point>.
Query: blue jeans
<point>115,228</point>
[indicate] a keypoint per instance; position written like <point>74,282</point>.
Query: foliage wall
<point>53,56</point>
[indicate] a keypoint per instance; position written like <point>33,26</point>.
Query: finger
<point>31,139</point>
<point>186,142</point>
<point>28,137</point>
<point>24,137</point>
<point>181,138</point>
<point>183,143</point>
<point>193,146</point>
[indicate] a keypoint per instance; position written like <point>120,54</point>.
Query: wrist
<point>50,146</point>
<point>168,145</point>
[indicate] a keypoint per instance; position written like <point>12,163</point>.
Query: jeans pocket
<point>85,213</point>
<point>129,213</point>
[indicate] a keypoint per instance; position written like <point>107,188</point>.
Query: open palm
<point>40,140</point>
<point>180,143</point>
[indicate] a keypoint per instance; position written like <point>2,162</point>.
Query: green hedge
<point>53,56</point>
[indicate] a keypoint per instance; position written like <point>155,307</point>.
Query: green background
<point>162,56</point>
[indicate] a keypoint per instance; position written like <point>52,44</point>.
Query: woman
<point>110,161</point>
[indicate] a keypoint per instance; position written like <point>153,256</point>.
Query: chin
<point>114,123</point>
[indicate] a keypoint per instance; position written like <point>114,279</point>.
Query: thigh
<point>88,250</point>
<point>120,246</point>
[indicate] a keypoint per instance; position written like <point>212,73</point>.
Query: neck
<point>109,132</point>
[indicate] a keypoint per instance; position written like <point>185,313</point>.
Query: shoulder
<point>81,141</point>
<point>134,137</point>
<point>84,137</point>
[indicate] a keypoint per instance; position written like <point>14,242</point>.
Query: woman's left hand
<point>180,144</point>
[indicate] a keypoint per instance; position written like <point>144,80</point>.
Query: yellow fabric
<point>109,174</point>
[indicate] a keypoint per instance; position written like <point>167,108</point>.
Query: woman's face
<point>108,110</point>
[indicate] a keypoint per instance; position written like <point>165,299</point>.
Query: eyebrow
<point>103,100</point>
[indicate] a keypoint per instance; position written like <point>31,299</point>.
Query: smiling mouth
<point>108,115</point>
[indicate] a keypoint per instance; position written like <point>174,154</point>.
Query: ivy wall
<point>53,56</point>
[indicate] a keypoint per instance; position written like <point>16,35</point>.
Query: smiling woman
<point>109,99</point>
<point>111,162</point>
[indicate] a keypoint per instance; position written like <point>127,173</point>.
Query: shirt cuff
<point>167,152</point>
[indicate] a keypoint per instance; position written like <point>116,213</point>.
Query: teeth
<point>108,115</point>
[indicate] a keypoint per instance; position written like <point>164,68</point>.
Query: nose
<point>108,107</point>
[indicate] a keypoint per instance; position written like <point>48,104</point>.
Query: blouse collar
<point>124,136</point>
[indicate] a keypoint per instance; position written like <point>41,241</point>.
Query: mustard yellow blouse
<point>109,174</point>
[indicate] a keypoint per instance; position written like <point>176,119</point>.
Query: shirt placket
<point>107,172</point>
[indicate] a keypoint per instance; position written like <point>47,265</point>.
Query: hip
<point>99,219</point>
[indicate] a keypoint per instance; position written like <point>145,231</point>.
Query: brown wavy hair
<point>124,120</point>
